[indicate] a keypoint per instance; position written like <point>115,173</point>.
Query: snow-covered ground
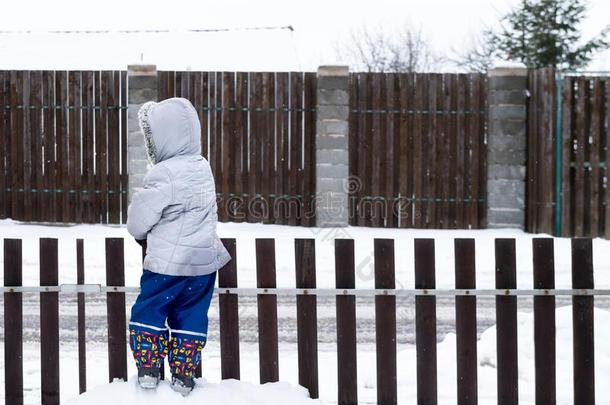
<point>245,235</point>
<point>225,392</point>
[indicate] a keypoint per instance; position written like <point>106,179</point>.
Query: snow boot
<point>182,384</point>
<point>148,378</point>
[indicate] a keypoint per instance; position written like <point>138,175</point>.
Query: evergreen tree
<point>539,33</point>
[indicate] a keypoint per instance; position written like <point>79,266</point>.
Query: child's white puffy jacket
<point>176,209</point>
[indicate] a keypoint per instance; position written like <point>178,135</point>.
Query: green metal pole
<point>558,152</point>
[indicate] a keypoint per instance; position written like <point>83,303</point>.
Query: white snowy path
<point>245,234</point>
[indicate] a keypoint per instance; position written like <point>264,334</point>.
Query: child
<point>175,212</point>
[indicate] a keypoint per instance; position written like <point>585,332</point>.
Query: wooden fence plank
<point>347,388</point>
<point>596,181</point>
<point>532,163</point>
<point>483,151</point>
<point>36,144</point>
<point>582,322</point>
<point>267,311</point>
<point>100,150</point>
<point>418,191</point>
<point>545,152</point>
<point>223,178</point>
<point>446,154</point>
<point>115,304</point>
<point>475,146</point>
<point>114,144</point>
<point>309,149</point>
<point>74,135</point>
<point>13,324</point>
<point>363,137</point>
<point>606,137</point>
<point>124,171</point>
<point>307,318</point>
<point>466,323</point>
<point>88,178</point>
<point>379,148</point>
<point>4,151</point>
<point>460,161</point>
<point>282,145</point>
<point>254,147</point>
<point>241,151</point>
<point>390,151</point>
<point>27,165</point>
<point>385,323</point>
<point>266,136</point>
<point>229,316</point>
<point>506,318</point>
<point>82,334</point>
<point>453,152</point>
<point>236,174</point>
<point>63,143</point>
<point>433,160</point>
<point>49,323</point>
<point>567,157</point>
<point>294,130</point>
<point>579,190</point>
<point>403,161</point>
<point>544,322</point>
<point>49,146</point>
<point>217,150</point>
<point>425,323</point>
<point>16,143</point>
<point>204,114</point>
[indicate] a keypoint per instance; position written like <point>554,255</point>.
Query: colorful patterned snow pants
<point>170,318</point>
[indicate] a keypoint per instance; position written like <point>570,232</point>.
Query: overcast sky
<point>318,27</point>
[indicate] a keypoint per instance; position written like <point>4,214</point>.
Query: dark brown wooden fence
<point>417,150</point>
<point>568,134</point>
<point>63,146</point>
<point>385,304</point>
<point>257,132</point>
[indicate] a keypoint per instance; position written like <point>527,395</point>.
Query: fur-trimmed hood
<point>171,128</point>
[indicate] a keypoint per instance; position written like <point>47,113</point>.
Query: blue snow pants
<point>170,318</point>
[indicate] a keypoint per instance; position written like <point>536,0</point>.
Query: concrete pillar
<point>332,159</point>
<point>506,146</point>
<point>141,87</point>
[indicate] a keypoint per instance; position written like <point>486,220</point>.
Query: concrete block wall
<point>332,159</point>
<point>506,147</point>
<point>142,87</point>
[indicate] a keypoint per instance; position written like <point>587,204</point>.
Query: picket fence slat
<point>82,330</point>
<point>544,322</point>
<point>466,323</point>
<point>267,311</point>
<point>385,323</point>
<point>425,323</point>
<point>307,316</point>
<point>582,322</point>
<point>345,276</point>
<point>115,303</point>
<point>506,323</point>
<point>229,316</point>
<point>49,323</point>
<point>13,324</point>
